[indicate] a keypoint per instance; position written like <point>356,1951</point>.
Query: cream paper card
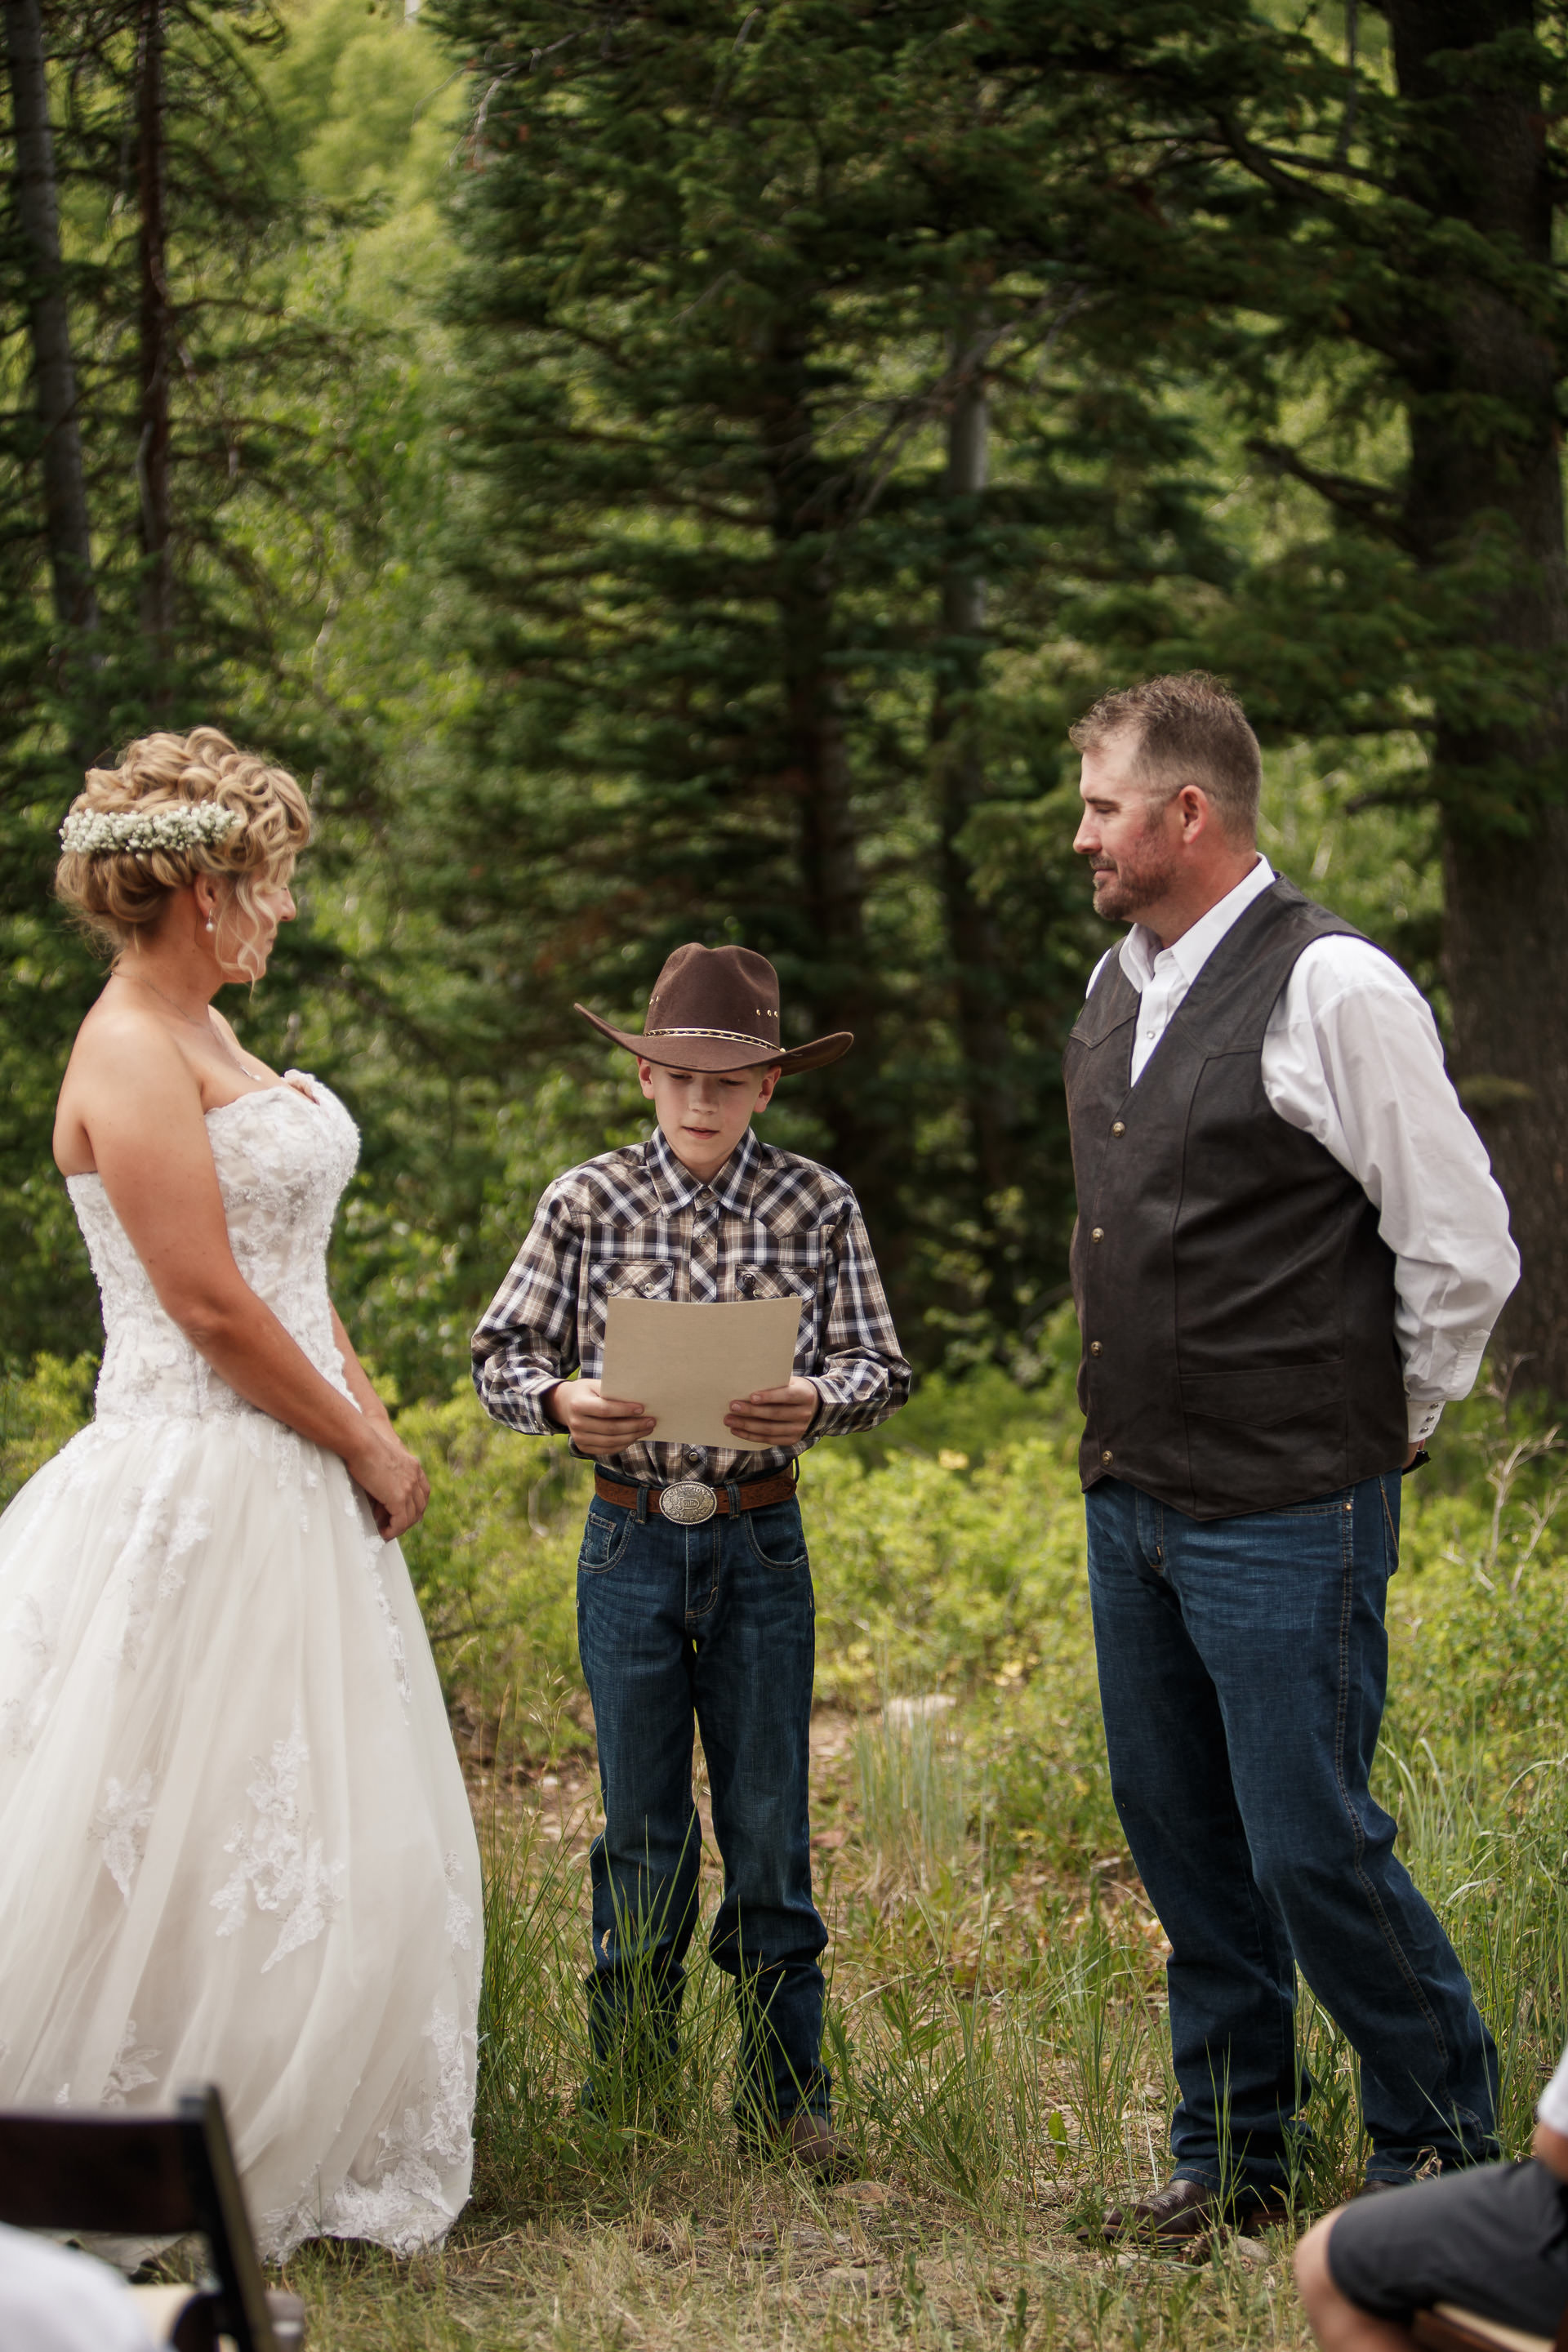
<point>687,1362</point>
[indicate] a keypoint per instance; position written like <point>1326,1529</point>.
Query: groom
<point>1289,1256</point>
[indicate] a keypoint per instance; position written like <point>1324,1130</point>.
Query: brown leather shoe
<point>807,2140</point>
<point>1187,2217</point>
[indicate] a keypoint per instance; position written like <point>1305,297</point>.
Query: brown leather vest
<point>1234,1296</point>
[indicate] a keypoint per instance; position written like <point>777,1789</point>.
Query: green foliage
<point>39,1412</point>
<point>721,292</point>
<point>565,481</point>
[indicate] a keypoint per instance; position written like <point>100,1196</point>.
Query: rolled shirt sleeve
<point>1352,1056</point>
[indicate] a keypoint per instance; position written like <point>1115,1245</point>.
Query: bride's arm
<point>138,1100</point>
<point>354,1373</point>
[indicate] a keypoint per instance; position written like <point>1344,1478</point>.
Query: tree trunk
<point>833,982</point>
<point>1506,940</point>
<point>974,947</point>
<point>155,326</point>
<point>49,320</point>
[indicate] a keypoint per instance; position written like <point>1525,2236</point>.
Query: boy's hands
<point>773,1416</point>
<point>601,1425</point>
<point>596,1423</point>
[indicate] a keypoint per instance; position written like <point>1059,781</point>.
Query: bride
<point>234,1840</point>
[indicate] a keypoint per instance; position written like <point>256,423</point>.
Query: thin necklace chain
<point>193,1020</point>
<point>196,1020</point>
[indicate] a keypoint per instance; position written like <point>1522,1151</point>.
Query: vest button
<point>1097,1233</point>
<point>1096,1348</point>
<point>1118,1127</point>
<point>1106,1454</point>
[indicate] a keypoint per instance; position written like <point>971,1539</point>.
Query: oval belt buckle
<point>688,1503</point>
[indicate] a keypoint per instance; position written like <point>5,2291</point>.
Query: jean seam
<point>1384,1927</point>
<point>1264,1925</point>
<point>713,1536</point>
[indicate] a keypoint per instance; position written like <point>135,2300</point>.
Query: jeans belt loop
<point>733,1492</point>
<point>642,1506</point>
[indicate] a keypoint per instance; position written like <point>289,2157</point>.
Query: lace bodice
<point>283,1156</point>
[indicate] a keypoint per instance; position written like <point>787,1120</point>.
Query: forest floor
<point>1004,2037</point>
<point>996,2027</point>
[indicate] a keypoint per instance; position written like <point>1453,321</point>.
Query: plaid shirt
<point>638,1223</point>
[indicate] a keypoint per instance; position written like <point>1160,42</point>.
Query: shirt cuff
<point>520,1407</point>
<point>1422,1419</point>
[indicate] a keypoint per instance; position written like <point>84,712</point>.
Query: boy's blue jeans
<point>1243,1667</point>
<point>713,1622</point>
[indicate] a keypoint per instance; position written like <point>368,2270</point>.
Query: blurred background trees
<point>665,472</point>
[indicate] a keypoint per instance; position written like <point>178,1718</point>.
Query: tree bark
<point>54,371</point>
<point>975,946</point>
<point>1506,945</point>
<point>833,982</point>
<point>155,340</point>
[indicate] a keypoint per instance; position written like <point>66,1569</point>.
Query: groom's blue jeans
<point>1243,1667</point>
<point>714,1624</point>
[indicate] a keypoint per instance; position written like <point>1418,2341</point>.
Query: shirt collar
<point>731,1187</point>
<point>1140,950</point>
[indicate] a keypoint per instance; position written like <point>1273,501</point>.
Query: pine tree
<point>173,489</point>
<point>1389,209</point>
<point>736,282</point>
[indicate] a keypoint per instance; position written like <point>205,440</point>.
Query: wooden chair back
<point>142,2176</point>
<point>1449,2328</point>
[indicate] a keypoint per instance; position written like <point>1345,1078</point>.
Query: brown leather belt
<point>689,1501</point>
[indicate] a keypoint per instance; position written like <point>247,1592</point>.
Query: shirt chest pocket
<point>631,1277</point>
<point>788,1281</point>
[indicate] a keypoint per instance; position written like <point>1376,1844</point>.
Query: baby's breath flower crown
<point>100,833</point>
<point>172,808</point>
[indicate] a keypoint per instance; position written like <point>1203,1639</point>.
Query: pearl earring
<point>209,923</point>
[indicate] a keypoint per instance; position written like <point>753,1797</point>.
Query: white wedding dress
<point>234,1845</point>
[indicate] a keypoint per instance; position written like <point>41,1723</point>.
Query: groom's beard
<point>1140,877</point>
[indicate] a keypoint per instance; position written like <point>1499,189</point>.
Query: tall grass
<point>997,2026</point>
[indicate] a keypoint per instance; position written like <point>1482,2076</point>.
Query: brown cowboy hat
<point>718,1009</point>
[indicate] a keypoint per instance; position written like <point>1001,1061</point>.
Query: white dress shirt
<point>1351,1056</point>
<point>1552,2107</point>
<point>53,2299</point>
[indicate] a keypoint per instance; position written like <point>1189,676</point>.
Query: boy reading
<point>694,1597</point>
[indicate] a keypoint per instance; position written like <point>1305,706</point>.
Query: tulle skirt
<point>235,1843</point>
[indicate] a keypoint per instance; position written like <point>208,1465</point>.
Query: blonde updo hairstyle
<point>120,893</point>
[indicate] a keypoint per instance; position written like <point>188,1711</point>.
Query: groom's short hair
<point>1189,730</point>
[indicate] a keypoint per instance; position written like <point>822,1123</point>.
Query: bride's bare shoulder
<point>120,1038</point>
<point>124,1067</point>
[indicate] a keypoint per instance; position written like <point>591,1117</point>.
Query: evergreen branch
<point>1370,504</point>
<point>1262,165</point>
<point>1334,164</point>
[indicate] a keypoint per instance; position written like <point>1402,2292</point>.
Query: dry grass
<point>1001,2062</point>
